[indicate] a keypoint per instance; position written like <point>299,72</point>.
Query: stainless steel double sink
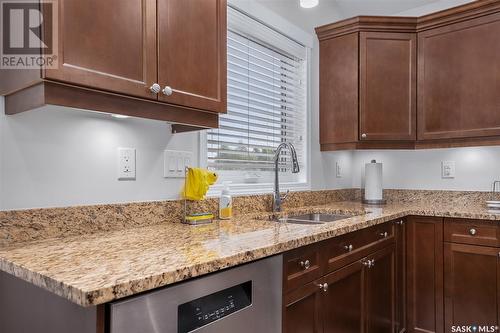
<point>315,218</point>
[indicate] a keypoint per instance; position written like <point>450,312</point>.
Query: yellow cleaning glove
<point>197,183</point>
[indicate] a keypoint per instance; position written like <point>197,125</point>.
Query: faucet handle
<point>283,198</point>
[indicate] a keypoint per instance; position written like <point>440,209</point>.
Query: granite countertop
<point>98,268</point>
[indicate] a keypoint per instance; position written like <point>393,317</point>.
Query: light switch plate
<point>448,169</point>
<point>175,162</point>
<point>126,164</point>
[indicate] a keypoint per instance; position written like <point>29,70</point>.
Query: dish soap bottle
<point>225,203</point>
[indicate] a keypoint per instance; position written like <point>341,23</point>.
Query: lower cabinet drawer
<point>348,248</point>
<point>301,266</point>
<point>473,232</point>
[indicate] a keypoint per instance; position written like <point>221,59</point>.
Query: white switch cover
<point>126,164</point>
<point>338,170</point>
<point>448,169</point>
<point>175,162</point>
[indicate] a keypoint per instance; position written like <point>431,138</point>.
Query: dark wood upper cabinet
<point>459,80</point>
<point>441,69</point>
<point>192,53</point>
<point>471,285</point>
<point>387,86</point>
<point>338,91</point>
<point>108,45</point>
<point>111,53</point>
<point>425,274</point>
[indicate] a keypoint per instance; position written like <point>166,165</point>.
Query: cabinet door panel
<point>458,80</point>
<point>380,292</point>
<point>471,285</point>
<point>425,274</point>
<point>339,90</point>
<point>192,52</point>
<point>108,45</point>
<point>387,86</point>
<point>343,303</point>
<point>302,310</point>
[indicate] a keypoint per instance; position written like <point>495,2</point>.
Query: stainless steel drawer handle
<point>323,286</point>
<point>472,231</point>
<point>349,248</point>
<point>384,234</point>
<point>305,264</point>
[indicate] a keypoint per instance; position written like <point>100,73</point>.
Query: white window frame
<point>260,188</point>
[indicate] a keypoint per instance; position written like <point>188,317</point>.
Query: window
<point>267,92</point>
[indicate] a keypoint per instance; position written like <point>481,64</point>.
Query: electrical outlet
<point>448,169</point>
<point>338,170</point>
<point>126,164</point>
<point>175,162</point>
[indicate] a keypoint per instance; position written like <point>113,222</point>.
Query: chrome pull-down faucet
<point>277,198</point>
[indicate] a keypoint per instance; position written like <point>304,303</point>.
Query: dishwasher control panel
<point>202,311</point>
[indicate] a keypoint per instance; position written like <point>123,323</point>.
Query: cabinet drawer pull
<point>305,264</point>
<point>384,234</point>
<point>167,91</point>
<point>323,286</point>
<point>155,88</point>
<point>400,222</point>
<point>472,231</point>
<point>368,263</point>
<point>349,248</point>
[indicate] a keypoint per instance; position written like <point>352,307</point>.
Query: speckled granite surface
<point>98,267</point>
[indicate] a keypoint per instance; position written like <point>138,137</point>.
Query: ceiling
<point>333,10</point>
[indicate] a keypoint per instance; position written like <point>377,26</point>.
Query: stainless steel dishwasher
<point>244,299</point>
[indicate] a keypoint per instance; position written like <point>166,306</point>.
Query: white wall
<point>60,157</point>
<point>433,7</point>
<point>476,168</point>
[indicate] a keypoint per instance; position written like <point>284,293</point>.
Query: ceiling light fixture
<point>308,3</point>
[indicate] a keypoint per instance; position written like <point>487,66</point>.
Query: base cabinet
<point>343,302</point>
<point>471,290</point>
<point>302,310</point>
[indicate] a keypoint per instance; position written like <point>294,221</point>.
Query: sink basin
<point>315,218</point>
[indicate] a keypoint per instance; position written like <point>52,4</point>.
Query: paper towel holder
<point>374,202</point>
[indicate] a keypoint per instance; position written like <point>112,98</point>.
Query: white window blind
<point>266,90</point>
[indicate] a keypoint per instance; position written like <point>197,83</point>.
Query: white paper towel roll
<point>373,181</point>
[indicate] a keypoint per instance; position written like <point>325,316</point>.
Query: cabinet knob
<point>384,234</point>
<point>155,88</point>
<point>472,231</point>
<point>363,136</point>
<point>349,248</point>
<point>167,91</point>
<point>372,262</point>
<point>323,286</point>
<point>400,222</point>
<point>305,264</point>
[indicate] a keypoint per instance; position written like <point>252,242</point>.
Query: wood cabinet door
<point>302,310</point>
<point>192,53</point>
<point>108,45</point>
<point>380,289</point>
<point>400,235</point>
<point>425,274</point>
<point>338,91</point>
<point>343,303</point>
<point>458,80</point>
<point>471,278</point>
<point>387,86</point>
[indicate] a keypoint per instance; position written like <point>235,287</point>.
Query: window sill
<point>257,189</point>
